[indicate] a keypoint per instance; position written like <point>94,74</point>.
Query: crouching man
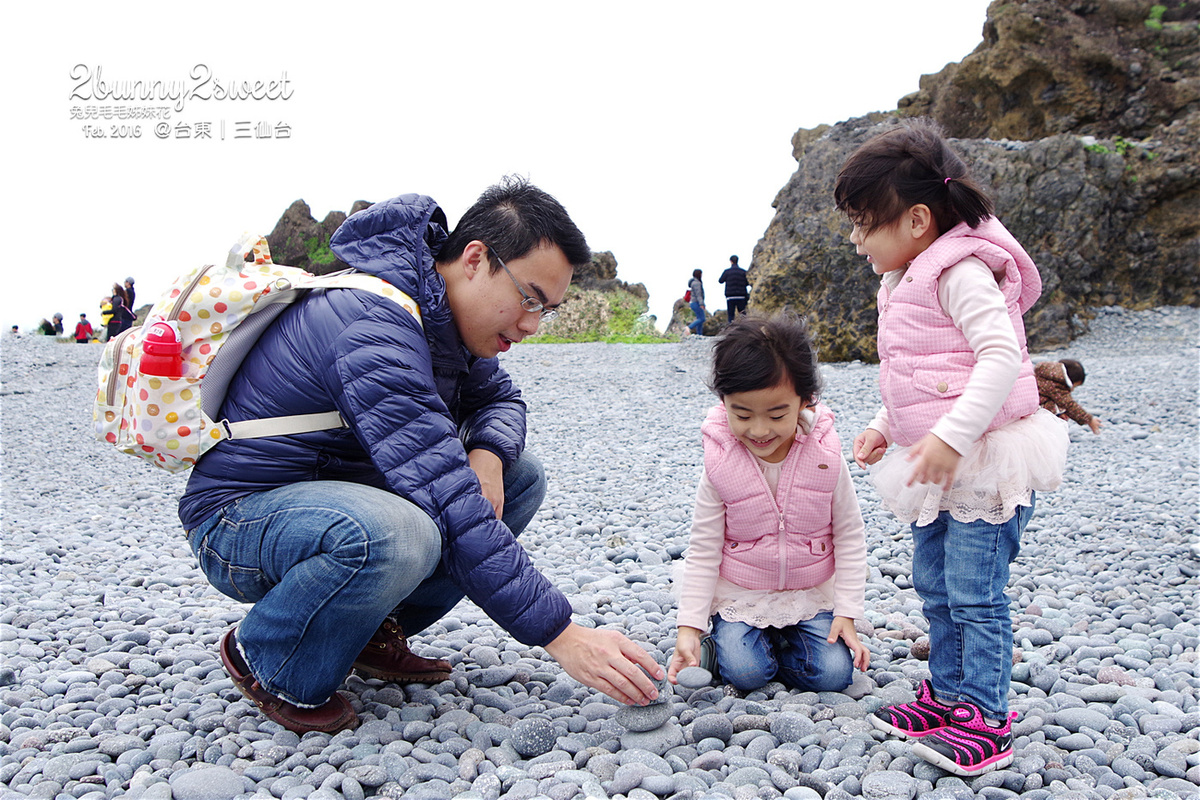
<point>345,540</point>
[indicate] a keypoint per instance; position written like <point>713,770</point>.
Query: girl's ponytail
<point>903,167</point>
<point>965,201</point>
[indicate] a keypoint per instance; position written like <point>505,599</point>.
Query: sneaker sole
<point>887,727</point>
<point>934,757</point>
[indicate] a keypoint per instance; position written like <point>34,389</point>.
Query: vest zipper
<point>783,554</point>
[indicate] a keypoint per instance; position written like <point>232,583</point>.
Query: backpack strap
<point>239,346</point>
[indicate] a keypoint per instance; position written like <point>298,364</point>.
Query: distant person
<point>960,400</point>
<point>16,331</point>
<point>346,541</point>
<point>697,302</point>
<point>737,290</point>
<point>131,298</point>
<point>83,330</point>
<point>794,625</point>
<point>106,315</point>
<point>46,328</point>
<point>58,324</point>
<point>1055,381</point>
<point>122,317</point>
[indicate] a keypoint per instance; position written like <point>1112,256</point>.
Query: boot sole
<point>401,677</point>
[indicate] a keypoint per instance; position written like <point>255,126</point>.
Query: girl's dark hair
<point>696,273</point>
<point>903,167</point>
<point>1074,371</point>
<point>762,352</point>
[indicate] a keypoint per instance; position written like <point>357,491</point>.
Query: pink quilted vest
<point>925,360</point>
<point>783,542</point>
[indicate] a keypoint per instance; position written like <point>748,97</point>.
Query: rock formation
<point>298,240</point>
<point>601,275</point>
<point>1080,118</point>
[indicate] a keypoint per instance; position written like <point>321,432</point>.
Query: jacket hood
<point>991,242</point>
<point>398,240</point>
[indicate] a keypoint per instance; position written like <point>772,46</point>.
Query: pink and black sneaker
<point>913,720</point>
<point>969,745</point>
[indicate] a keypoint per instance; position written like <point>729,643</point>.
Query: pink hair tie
<point>946,181</point>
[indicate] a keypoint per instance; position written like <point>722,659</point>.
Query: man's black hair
<point>512,218</point>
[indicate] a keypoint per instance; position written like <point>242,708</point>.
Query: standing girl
<point>960,399</point>
<point>777,557</point>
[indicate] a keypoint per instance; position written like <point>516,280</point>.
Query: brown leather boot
<point>335,715</point>
<point>387,657</point>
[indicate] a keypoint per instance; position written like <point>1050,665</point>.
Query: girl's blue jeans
<point>798,655</point>
<point>960,570</point>
<point>698,325</point>
<point>324,562</point>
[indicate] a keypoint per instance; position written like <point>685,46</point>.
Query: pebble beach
<point>110,683</point>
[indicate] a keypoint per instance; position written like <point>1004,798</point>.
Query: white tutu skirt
<point>994,477</point>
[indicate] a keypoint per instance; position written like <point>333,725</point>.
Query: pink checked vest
<point>925,361</point>
<point>775,542</point>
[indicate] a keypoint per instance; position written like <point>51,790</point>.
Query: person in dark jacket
<point>346,540</point>
<point>122,317</point>
<point>131,297</point>
<point>737,290</point>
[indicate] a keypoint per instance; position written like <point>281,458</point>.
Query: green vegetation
<point>587,315</point>
<point>318,251</point>
<point>1154,21</point>
<point>1120,146</point>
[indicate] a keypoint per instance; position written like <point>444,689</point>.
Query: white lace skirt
<point>994,477</point>
<point>763,608</point>
<point>768,608</point>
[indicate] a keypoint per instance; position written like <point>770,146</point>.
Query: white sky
<point>663,127</point>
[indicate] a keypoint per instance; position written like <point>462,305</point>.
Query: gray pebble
<point>694,677</point>
<point>643,718</point>
<point>206,783</point>
<point>533,736</point>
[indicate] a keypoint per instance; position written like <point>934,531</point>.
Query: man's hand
<point>869,447</point>
<point>607,661</point>
<point>687,651</point>
<point>936,462</point>
<point>843,628</point>
<point>490,471</point>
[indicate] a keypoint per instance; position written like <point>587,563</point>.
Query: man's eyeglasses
<point>528,302</point>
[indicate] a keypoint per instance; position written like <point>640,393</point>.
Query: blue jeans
<point>324,563</point>
<point>698,325</point>
<point>960,570</point>
<point>799,654</point>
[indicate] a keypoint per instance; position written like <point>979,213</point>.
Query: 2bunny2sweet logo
<point>89,84</point>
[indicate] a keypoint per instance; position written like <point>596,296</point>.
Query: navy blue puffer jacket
<point>415,401</point>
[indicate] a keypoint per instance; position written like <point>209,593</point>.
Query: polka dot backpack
<point>206,322</point>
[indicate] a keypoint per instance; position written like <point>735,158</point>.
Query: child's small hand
<point>1094,424</point>
<point>869,447</point>
<point>687,651</point>
<point>843,628</point>
<point>936,462</point>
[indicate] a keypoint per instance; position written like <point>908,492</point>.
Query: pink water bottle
<point>162,352</point>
